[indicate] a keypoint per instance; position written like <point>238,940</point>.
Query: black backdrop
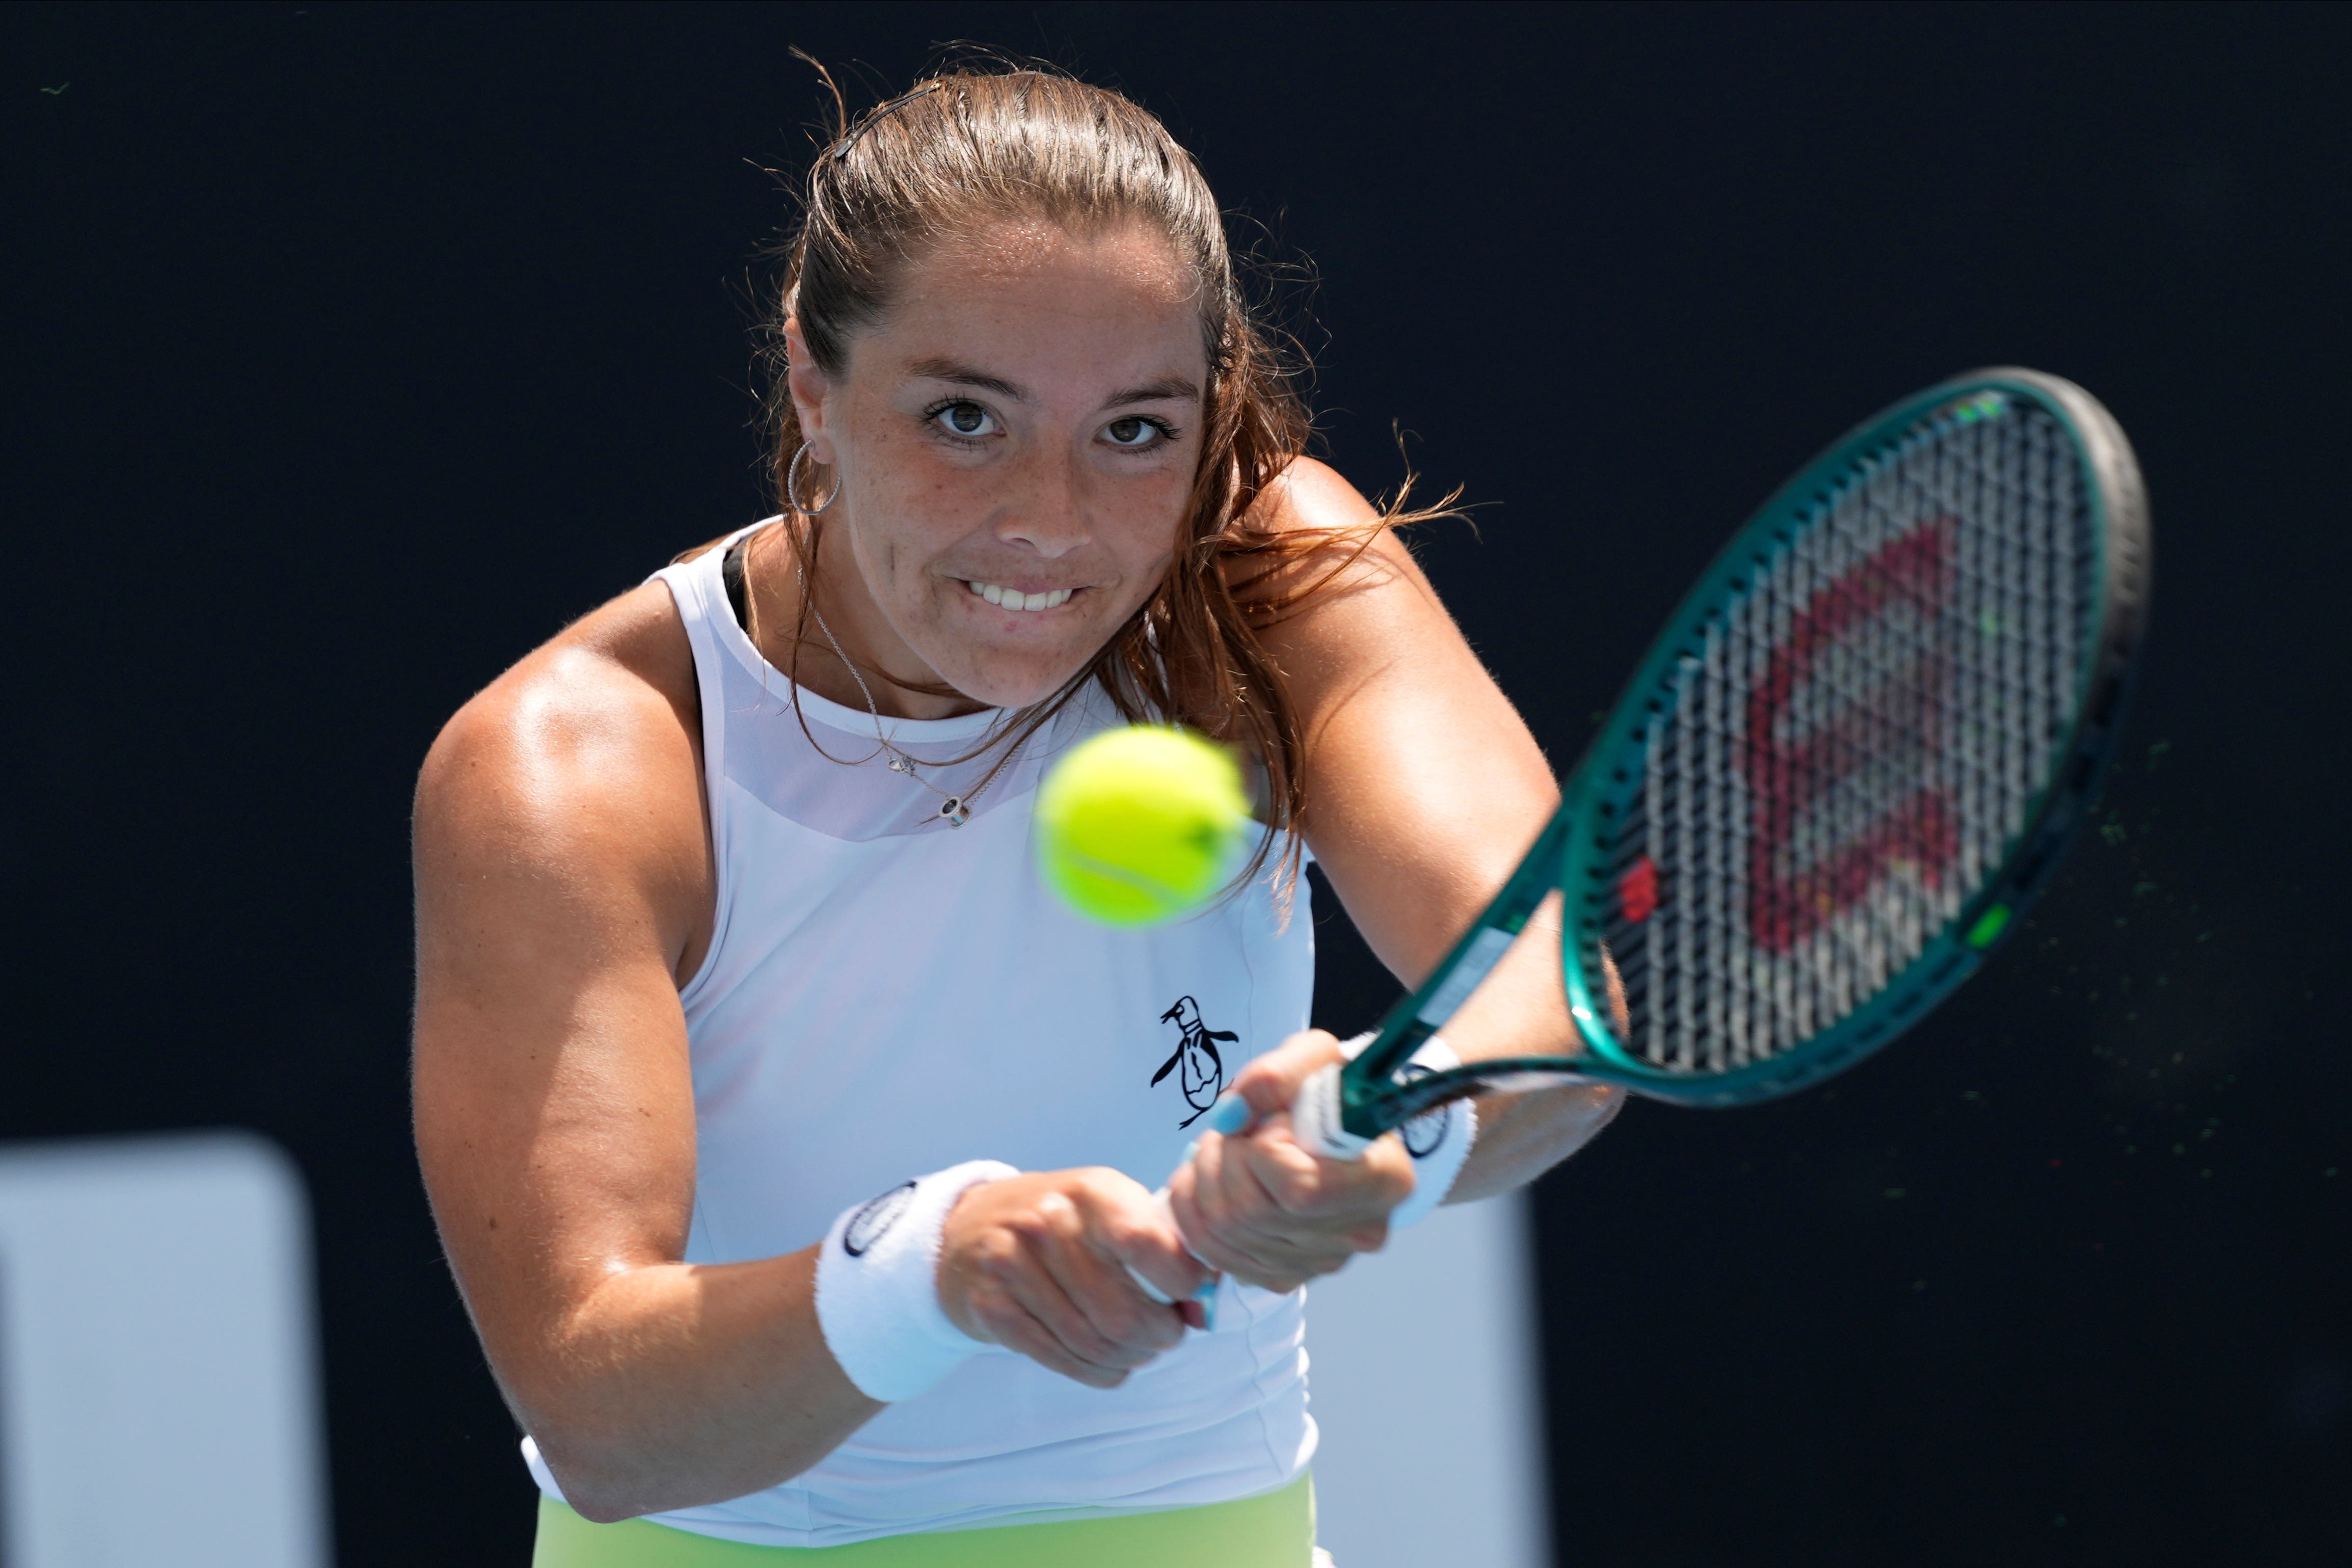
<point>353,350</point>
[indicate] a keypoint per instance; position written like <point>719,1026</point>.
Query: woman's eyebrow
<point>964,375</point>
<point>1167,388</point>
<point>1172,387</point>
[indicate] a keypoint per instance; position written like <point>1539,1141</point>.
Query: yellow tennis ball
<point>1138,825</point>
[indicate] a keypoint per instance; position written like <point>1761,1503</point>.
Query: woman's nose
<point>1048,511</point>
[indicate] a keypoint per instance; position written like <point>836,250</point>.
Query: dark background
<point>351,351</point>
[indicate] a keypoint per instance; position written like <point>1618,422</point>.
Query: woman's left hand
<point>1260,1207</point>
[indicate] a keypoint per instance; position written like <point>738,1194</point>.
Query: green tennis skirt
<point>1274,1529</point>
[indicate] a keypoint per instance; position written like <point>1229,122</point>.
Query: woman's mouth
<point>1014,599</point>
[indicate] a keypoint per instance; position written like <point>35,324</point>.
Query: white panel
<point>1426,1375</point>
<point>158,1382</point>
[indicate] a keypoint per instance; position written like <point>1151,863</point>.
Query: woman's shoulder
<point>1308,495</point>
<point>1311,542</point>
<point>582,759</point>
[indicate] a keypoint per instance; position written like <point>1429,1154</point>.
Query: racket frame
<point>1571,853</point>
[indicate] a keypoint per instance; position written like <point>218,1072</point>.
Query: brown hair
<point>973,146</point>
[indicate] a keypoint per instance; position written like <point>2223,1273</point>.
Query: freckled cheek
<point>1147,523</point>
<point>918,504</point>
<point>952,490</point>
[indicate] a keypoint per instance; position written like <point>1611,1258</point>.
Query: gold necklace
<point>955,810</point>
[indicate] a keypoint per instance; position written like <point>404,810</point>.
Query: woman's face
<point>1016,442</point>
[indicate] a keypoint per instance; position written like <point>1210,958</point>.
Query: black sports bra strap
<point>730,573</point>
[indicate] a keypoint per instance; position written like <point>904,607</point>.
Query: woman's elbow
<point>611,1471</point>
<point>604,1475</point>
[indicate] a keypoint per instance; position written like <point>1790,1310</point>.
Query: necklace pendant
<point>954,811</point>
<point>900,765</point>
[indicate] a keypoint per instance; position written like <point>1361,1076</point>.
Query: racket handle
<point>1315,1123</point>
<point>1315,1119</point>
<point>1208,1293</point>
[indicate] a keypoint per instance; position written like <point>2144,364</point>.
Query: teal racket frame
<point>1571,853</point>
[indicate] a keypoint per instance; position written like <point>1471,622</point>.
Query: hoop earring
<point>793,486</point>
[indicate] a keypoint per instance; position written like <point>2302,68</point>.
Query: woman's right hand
<point>1039,1263</point>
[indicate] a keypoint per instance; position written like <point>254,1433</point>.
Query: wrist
<point>878,1297</point>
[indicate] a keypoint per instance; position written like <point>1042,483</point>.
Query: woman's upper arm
<point>1424,785</point>
<point>560,851</point>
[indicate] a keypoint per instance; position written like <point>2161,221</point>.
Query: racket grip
<point>1208,1295</point>
<point>1315,1119</point>
<point>1315,1123</point>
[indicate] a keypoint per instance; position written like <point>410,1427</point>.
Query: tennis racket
<point>1843,769</point>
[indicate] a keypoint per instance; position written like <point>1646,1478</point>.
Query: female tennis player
<point>793,1149</point>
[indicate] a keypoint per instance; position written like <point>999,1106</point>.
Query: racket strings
<point>1843,758</point>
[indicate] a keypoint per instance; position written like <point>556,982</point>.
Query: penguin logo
<point>1203,1074</point>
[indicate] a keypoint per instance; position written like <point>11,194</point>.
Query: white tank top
<point>887,995</point>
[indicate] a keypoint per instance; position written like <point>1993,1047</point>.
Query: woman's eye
<point>1130,432</point>
<point>966,419</point>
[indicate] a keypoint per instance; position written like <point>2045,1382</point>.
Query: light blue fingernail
<point>1186,1157</point>
<point>1229,1116</point>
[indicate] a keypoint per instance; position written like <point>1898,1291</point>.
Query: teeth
<point>1014,599</point>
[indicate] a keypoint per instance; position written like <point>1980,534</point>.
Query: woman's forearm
<point>1521,1136</point>
<point>678,1384</point>
<point>1522,1010</point>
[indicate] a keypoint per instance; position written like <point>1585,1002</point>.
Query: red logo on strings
<point>1893,716</point>
<point>1637,890</point>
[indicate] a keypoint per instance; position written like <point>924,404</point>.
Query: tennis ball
<point>1138,825</point>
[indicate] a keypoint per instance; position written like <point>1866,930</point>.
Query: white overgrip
<point>1206,1295</point>
<point>1315,1118</point>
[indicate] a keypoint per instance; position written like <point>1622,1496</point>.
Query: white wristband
<point>1439,1141</point>
<point>877,1293</point>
